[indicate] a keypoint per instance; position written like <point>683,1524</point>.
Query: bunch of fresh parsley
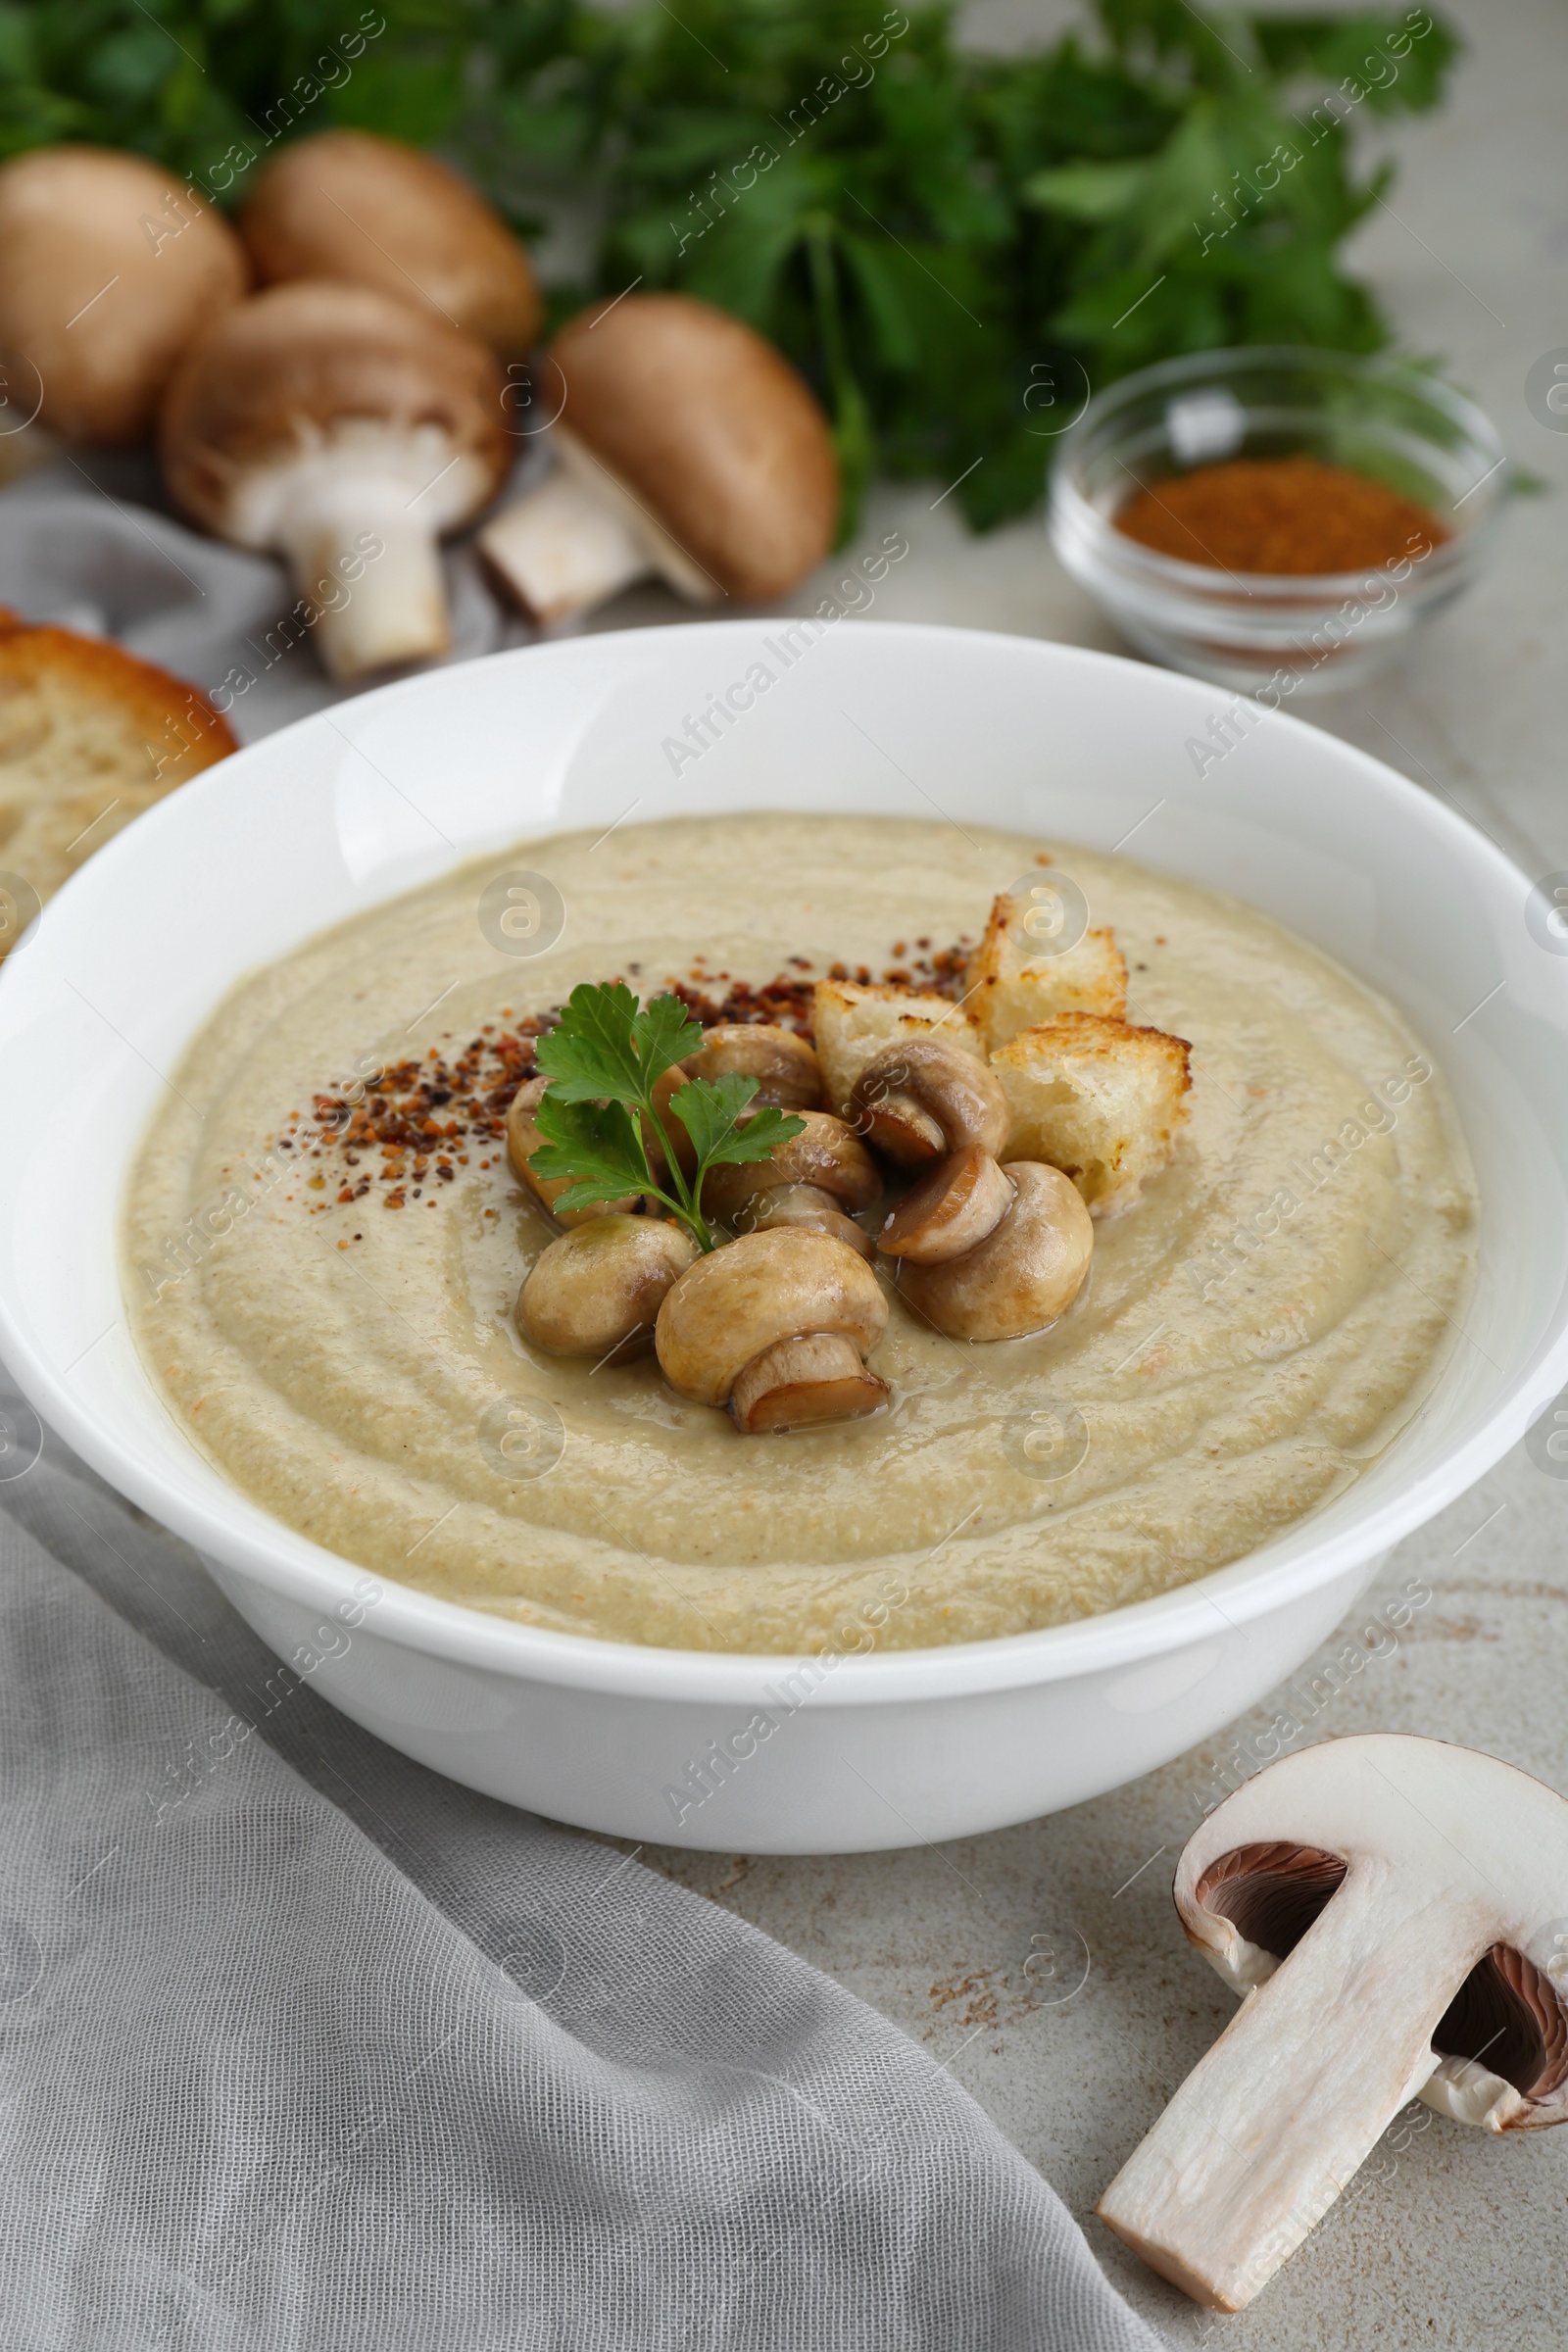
<point>952,247</point>
<point>604,1061</point>
<point>955,248</point>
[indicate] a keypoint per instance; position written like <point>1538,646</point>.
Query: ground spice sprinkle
<point>412,1124</point>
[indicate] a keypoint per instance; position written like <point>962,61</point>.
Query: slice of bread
<point>852,1023</point>
<point>1096,1099</point>
<point>89,737</point>
<point>1015,987</point>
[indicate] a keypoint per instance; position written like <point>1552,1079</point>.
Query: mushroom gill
<point>1507,2015</point>
<point>1271,1894</point>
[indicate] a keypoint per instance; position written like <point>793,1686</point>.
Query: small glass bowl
<point>1311,633</point>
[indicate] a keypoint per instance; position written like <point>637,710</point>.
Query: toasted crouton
<point>852,1023</point>
<point>1096,1099</point>
<point>1017,987</point>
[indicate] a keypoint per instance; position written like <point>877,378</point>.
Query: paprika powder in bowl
<point>1277,520</point>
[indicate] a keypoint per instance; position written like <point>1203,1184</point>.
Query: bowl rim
<point>1069,508</point>
<point>254,1545</point>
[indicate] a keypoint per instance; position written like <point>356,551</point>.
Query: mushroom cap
<point>591,1290</point>
<point>804,1205</point>
<point>111,265</point>
<point>826,1153</point>
<point>783,1283</point>
<point>918,1098</point>
<point>274,375</point>
<point>950,1210</point>
<point>784,1065</point>
<point>370,212</point>
<point>1026,1272</point>
<point>710,431</point>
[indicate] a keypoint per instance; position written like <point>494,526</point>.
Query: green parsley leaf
<point>714,1112</point>
<point>664,1032</point>
<point>596,1143</point>
<point>591,1057</point>
<point>603,1061</point>
<point>606,1049</point>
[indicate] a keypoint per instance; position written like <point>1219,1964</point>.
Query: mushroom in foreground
<point>687,447</point>
<point>1389,1907</point>
<point>989,1252</point>
<point>348,432</point>
<point>817,1179</point>
<point>111,267</point>
<point>920,1099</point>
<point>372,212</point>
<point>525,1138</point>
<point>600,1287</point>
<point>777,1327</point>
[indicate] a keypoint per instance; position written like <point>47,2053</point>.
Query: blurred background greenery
<point>945,242</point>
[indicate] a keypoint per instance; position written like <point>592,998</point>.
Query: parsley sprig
<point>604,1061</point>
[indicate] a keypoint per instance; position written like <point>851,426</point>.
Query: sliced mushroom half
<point>1391,1906</point>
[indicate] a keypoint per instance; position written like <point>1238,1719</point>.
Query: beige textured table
<point>1454,2239</point>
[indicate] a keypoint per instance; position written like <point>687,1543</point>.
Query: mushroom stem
<point>352,535</point>
<point>903,1128</point>
<point>348,432</point>
<point>950,1211</point>
<point>581,537</point>
<point>820,1378</point>
<point>561,551</point>
<point>1269,2127</point>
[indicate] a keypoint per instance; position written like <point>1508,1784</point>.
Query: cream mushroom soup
<point>324,1243</point>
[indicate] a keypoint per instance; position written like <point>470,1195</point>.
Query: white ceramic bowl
<point>358,804</point>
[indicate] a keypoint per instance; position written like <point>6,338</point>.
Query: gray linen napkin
<point>303,2046</point>
<point>306,2049</point>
